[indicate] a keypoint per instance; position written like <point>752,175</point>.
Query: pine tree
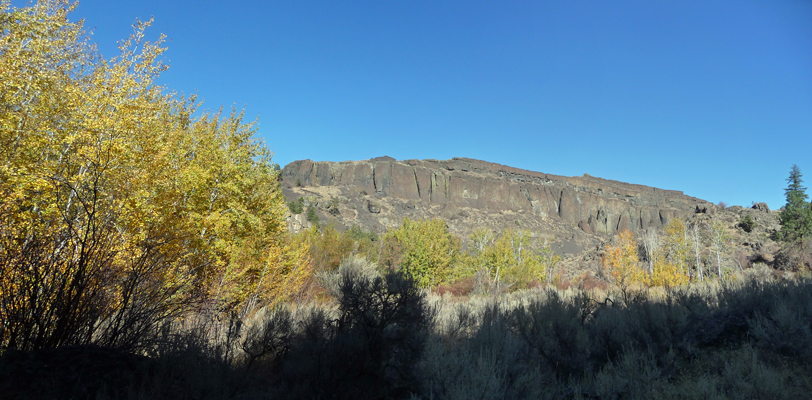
<point>796,218</point>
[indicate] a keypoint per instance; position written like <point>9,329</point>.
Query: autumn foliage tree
<point>622,261</point>
<point>328,246</point>
<point>676,244</point>
<point>121,209</point>
<point>672,267</point>
<point>511,259</point>
<point>424,250</point>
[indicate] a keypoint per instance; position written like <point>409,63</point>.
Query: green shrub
<point>357,233</point>
<point>332,206</point>
<point>747,223</point>
<point>297,206</point>
<point>366,243</point>
<point>312,216</point>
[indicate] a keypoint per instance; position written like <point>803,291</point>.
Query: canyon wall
<point>594,205</point>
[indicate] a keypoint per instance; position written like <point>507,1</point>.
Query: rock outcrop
<point>596,205</point>
<point>575,215</point>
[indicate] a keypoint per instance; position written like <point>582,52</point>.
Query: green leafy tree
<point>511,259</point>
<point>367,243</point>
<point>676,246</point>
<point>427,251</point>
<point>328,247</point>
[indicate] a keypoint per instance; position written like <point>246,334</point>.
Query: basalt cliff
<point>571,213</point>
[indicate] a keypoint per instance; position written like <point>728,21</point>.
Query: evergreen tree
<point>796,217</point>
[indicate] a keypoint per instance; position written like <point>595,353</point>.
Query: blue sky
<point>713,98</point>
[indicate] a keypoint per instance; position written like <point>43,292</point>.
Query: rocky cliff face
<point>575,215</point>
<point>572,212</point>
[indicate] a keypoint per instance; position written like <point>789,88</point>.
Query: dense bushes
<point>383,339</point>
<point>508,261</point>
<point>369,351</point>
<point>368,347</point>
<point>691,343</point>
<point>496,261</point>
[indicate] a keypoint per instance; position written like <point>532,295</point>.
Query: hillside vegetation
<point>145,253</point>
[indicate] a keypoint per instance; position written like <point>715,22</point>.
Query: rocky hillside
<point>572,213</point>
<point>575,215</point>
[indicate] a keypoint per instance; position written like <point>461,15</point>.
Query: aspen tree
<point>719,241</point>
<point>622,261</point>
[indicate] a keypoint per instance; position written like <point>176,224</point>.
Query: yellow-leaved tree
<point>670,263</point>
<point>677,246</point>
<point>424,250</point>
<point>622,261</point>
<point>511,259</point>
<point>120,209</point>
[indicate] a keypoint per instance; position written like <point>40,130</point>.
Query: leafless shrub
<point>370,350</point>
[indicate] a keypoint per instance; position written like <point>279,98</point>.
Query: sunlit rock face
<point>572,212</point>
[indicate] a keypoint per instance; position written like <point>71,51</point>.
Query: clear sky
<point>713,98</point>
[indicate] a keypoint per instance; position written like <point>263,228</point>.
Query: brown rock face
<point>604,205</point>
<point>575,212</point>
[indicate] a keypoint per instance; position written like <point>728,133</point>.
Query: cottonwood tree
<point>676,243</point>
<point>549,260</point>
<point>482,238</point>
<point>622,261</point>
<point>667,254</point>
<point>424,250</point>
<point>651,244</point>
<point>511,259</point>
<point>120,209</point>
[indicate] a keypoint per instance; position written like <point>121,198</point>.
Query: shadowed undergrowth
<point>385,338</point>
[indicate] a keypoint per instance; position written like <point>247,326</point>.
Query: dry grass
<point>383,338</point>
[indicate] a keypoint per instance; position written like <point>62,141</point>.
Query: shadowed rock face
<point>593,205</point>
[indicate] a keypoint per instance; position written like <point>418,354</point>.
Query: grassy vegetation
<point>383,337</point>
